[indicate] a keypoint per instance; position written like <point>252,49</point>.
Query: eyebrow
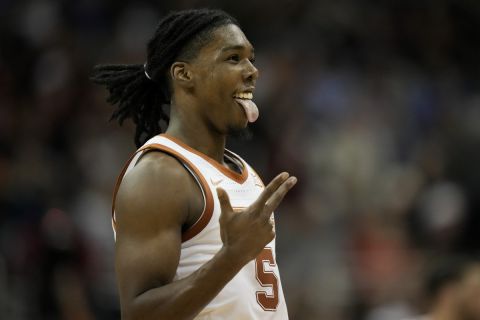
<point>236,47</point>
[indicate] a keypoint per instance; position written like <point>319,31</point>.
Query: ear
<point>182,74</point>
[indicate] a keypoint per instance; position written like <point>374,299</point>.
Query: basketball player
<point>195,235</point>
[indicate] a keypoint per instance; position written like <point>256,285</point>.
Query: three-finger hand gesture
<point>247,232</point>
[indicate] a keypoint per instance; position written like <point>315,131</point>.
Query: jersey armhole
<point>208,206</point>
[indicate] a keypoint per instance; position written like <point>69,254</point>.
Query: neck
<point>197,135</point>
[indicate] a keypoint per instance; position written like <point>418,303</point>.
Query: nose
<point>251,72</point>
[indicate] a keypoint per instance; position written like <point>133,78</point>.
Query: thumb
<point>224,200</point>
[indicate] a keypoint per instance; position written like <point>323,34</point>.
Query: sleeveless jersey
<point>256,291</point>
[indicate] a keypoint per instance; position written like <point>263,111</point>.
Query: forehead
<point>227,37</point>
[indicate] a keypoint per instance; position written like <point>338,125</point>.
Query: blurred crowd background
<point>374,105</point>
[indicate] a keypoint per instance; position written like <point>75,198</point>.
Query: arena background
<point>374,105</point>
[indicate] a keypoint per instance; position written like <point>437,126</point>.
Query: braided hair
<point>141,91</point>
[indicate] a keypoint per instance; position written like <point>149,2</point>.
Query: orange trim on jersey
<point>119,181</point>
<point>239,178</point>
<point>207,213</point>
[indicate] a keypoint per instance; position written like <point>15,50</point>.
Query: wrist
<point>232,259</point>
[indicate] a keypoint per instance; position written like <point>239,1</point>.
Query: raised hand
<point>245,233</point>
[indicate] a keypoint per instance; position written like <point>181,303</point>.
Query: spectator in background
<point>453,290</point>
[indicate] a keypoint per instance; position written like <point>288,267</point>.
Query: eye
<point>234,58</point>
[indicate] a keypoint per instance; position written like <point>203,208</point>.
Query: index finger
<point>270,189</point>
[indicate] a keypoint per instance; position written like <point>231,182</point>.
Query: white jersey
<point>256,291</point>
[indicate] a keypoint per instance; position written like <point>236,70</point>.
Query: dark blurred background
<point>374,105</point>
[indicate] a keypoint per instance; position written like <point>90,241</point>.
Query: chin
<point>244,133</point>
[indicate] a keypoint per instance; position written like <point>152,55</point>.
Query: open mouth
<point>244,95</point>
<point>245,100</point>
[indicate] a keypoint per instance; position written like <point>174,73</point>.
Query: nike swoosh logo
<point>216,183</point>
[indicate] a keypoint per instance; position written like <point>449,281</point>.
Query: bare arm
<point>153,203</point>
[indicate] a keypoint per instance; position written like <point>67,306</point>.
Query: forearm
<point>185,298</point>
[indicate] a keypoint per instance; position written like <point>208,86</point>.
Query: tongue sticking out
<point>250,109</point>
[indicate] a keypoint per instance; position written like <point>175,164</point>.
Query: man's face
<point>469,294</point>
<point>224,75</point>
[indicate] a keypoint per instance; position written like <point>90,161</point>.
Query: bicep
<point>145,263</point>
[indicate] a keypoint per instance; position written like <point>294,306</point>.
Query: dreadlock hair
<point>141,91</point>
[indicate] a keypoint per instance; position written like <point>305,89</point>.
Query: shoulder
<point>156,192</point>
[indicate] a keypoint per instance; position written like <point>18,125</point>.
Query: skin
<point>469,305</point>
<point>149,232</point>
<point>460,300</point>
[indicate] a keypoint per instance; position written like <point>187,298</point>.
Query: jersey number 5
<point>266,278</point>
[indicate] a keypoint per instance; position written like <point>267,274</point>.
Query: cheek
<point>218,87</point>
